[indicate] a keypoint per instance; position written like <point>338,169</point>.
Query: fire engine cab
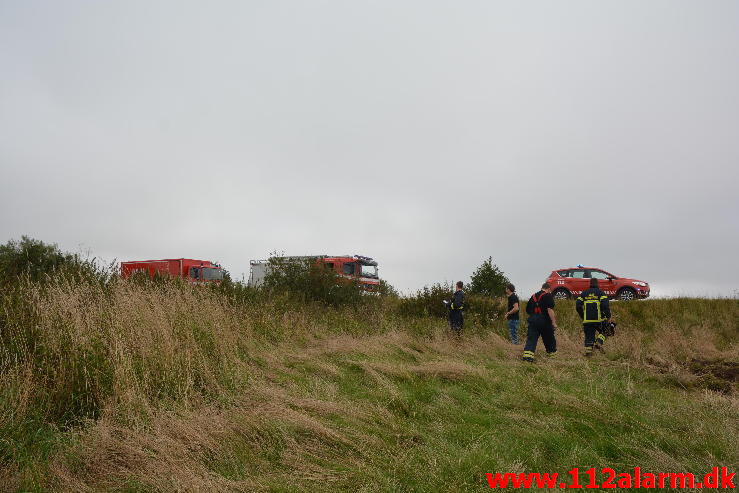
<point>357,267</point>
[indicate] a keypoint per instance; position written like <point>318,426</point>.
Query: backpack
<point>537,317</point>
<point>537,308</point>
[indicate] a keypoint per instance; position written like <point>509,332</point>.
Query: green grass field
<point>144,388</point>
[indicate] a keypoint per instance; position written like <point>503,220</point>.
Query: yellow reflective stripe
<point>604,297</point>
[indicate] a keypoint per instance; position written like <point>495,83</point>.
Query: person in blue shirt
<point>512,314</point>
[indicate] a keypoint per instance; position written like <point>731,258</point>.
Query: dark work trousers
<point>590,329</point>
<point>544,329</point>
<point>456,320</point>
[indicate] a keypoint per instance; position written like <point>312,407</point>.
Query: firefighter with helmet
<point>592,306</point>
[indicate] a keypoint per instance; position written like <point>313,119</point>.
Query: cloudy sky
<point>428,135</point>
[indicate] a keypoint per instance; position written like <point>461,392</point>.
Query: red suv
<point>568,282</point>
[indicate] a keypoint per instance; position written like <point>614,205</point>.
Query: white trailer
<point>258,272</point>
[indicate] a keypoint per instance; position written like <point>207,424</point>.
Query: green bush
<point>238,293</point>
<point>484,311</point>
<point>427,302</point>
<point>386,289</point>
<point>481,312</point>
<point>29,257</point>
<point>488,280</point>
<point>306,280</point>
<point>36,260</point>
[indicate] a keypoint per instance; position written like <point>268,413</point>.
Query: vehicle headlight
<point>642,284</point>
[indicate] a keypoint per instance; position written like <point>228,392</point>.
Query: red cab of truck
<point>358,268</point>
<point>192,270</point>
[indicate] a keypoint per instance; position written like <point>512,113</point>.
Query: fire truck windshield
<point>369,271</point>
<point>210,274</point>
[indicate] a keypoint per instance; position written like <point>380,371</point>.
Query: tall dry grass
<point>102,361</point>
<point>90,348</point>
<point>74,350</point>
<point>71,351</point>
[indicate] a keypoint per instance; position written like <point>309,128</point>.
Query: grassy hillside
<point>139,387</point>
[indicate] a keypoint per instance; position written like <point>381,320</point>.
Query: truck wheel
<point>561,294</point>
<point>627,294</point>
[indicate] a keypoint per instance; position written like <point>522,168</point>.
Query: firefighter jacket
<point>457,301</point>
<point>592,305</point>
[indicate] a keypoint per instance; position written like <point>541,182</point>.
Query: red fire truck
<point>191,270</point>
<point>357,267</point>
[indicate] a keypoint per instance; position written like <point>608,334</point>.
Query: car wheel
<point>627,294</point>
<point>561,294</point>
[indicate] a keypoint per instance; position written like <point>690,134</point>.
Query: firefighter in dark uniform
<point>541,323</point>
<point>456,307</point>
<point>592,305</point>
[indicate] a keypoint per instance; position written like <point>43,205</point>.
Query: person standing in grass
<point>593,307</point>
<point>456,306</point>
<point>542,322</point>
<point>512,313</point>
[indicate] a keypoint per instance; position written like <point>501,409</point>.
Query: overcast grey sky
<point>428,135</point>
